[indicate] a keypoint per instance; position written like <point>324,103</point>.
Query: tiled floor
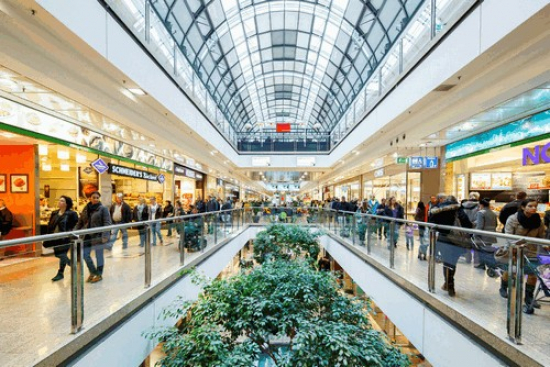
<point>35,316</point>
<point>477,296</point>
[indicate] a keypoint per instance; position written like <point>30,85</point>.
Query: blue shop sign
<point>416,162</point>
<point>431,162</point>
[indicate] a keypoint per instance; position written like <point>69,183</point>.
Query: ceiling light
<point>395,155</point>
<point>65,167</point>
<point>80,158</point>
<point>137,91</point>
<point>46,167</point>
<point>63,154</point>
<point>42,149</point>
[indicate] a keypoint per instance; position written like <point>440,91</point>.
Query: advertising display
<point>491,181</point>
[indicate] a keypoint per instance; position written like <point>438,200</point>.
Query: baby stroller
<point>487,256</point>
<point>541,269</point>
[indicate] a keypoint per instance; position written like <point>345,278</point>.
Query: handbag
<point>457,237</point>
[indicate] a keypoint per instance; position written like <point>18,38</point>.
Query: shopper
<point>380,210</point>
<point>445,212</point>
<point>168,212</point>
<point>95,215</point>
<point>470,208</point>
<point>511,208</point>
<point>409,236</point>
<point>525,222</point>
<point>155,212</point>
<point>486,220</point>
<point>64,219</point>
<point>6,220</point>
<point>6,223</point>
<point>121,213</point>
<point>420,216</point>
<point>178,212</point>
<point>393,210</point>
<point>141,214</point>
<point>200,205</point>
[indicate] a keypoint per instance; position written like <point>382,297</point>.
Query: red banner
<point>283,128</point>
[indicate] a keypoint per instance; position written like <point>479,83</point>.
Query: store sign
<point>100,166</point>
<point>416,162</point>
<point>423,162</point>
<point>537,155</point>
<point>431,162</point>
<point>187,172</point>
<point>379,173</point>
<point>161,178</point>
<point>131,172</point>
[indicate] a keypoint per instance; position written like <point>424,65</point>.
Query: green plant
<point>280,241</point>
<point>236,320</point>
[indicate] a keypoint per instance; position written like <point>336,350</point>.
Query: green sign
<point>402,160</point>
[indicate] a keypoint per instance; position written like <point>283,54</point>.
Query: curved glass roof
<point>268,61</point>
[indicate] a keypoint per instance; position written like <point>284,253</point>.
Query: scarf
<point>531,222</point>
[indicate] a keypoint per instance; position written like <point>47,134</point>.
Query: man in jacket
<point>168,212</point>
<point>446,212</point>
<point>471,207</point>
<point>511,208</point>
<point>155,212</point>
<point>121,213</point>
<point>6,223</point>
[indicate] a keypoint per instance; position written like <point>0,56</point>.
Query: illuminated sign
<point>536,155</point>
<point>134,173</point>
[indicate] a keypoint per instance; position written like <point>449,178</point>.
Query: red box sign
<point>283,128</point>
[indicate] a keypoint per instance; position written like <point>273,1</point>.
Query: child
<point>409,235</point>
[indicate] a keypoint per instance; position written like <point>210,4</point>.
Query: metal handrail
<point>80,232</point>
<point>512,237</point>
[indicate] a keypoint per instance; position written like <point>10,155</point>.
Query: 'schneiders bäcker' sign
<point>131,172</point>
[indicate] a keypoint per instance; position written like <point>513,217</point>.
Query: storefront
<point>188,185</point>
<point>350,189</point>
<point>500,162</point>
<point>44,157</point>
<point>411,180</point>
<point>328,192</point>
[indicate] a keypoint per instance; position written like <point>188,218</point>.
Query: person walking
<point>155,212</point>
<point>470,208</point>
<point>95,215</point>
<point>420,216</point>
<point>64,219</point>
<point>446,212</point>
<point>525,222</point>
<point>380,210</point>
<point>121,213</point>
<point>486,220</point>
<point>6,223</point>
<point>141,214</point>
<point>168,212</point>
<point>393,210</point>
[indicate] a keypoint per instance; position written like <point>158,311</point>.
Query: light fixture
<point>43,150</point>
<point>137,91</point>
<point>80,158</point>
<point>63,153</point>
<point>46,167</point>
<point>65,167</point>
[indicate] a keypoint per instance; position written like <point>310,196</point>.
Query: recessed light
<point>137,91</point>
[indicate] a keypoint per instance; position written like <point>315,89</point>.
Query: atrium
<point>264,111</point>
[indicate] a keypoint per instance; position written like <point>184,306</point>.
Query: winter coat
<point>168,211</point>
<point>98,218</point>
<point>158,212</point>
<point>514,227</point>
<point>125,211</point>
<point>445,214</point>
<point>486,220</point>
<point>419,215</point>
<point>144,215</point>
<point>63,223</point>
<point>470,207</point>
<point>388,212</point>
<point>212,206</point>
<point>507,210</point>
<point>6,221</point>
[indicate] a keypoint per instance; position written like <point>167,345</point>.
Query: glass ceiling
<point>267,61</point>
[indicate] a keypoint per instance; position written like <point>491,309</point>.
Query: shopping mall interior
<point>271,106</point>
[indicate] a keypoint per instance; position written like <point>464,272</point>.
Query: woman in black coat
<point>394,210</point>
<point>62,220</point>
